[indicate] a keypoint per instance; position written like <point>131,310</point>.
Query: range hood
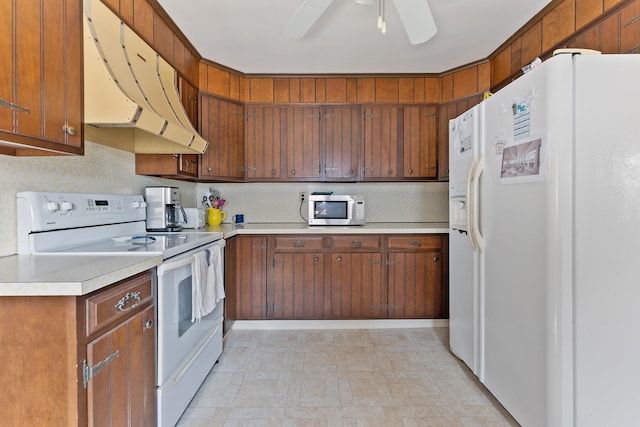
<point>130,93</point>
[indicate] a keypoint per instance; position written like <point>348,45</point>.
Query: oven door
<point>180,339</point>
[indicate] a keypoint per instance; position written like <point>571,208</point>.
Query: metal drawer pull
<point>130,296</point>
<point>339,259</point>
<point>415,243</point>
<point>316,259</point>
<point>89,372</point>
<point>148,324</point>
<point>436,259</point>
<point>298,244</point>
<point>356,244</point>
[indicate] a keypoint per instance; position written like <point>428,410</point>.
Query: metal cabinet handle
<point>273,171</point>
<point>70,130</point>
<point>130,296</point>
<point>298,244</point>
<point>316,259</point>
<point>293,172</point>
<point>390,172</point>
<point>356,244</point>
<point>339,259</point>
<point>209,170</point>
<point>148,324</point>
<point>410,171</point>
<point>415,243</point>
<point>350,171</point>
<point>436,259</point>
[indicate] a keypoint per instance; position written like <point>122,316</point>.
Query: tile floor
<point>382,377</point>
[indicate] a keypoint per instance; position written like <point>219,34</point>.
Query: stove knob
<point>50,206</point>
<point>66,206</point>
<point>135,205</point>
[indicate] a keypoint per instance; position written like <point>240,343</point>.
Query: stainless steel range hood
<point>131,99</point>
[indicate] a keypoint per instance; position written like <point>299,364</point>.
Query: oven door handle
<point>168,266</point>
<point>172,265</point>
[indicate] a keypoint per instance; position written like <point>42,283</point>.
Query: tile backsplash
<point>107,170</point>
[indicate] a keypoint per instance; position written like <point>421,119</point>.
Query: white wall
<point>107,170</point>
<point>386,202</point>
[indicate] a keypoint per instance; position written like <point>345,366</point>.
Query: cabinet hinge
<point>392,307</point>
<point>375,262</point>
<point>89,372</point>
<point>393,262</point>
<point>259,246</point>
<point>278,262</point>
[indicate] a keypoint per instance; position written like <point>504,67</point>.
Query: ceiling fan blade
<point>304,18</point>
<point>417,20</point>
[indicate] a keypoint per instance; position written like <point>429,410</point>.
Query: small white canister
<point>196,218</point>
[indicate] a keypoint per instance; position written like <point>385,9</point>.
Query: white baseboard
<point>338,324</point>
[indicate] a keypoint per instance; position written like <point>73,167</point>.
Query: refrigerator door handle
<point>476,235</point>
<point>471,204</point>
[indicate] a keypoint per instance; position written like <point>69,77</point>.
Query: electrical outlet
<point>302,197</point>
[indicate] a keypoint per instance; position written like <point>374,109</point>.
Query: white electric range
<point>55,223</point>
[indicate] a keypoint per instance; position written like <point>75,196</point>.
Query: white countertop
<point>231,230</point>
<point>74,275</point>
<point>46,275</point>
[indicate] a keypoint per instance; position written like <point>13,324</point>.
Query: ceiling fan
<point>415,16</point>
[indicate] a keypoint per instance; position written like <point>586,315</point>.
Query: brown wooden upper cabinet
<point>321,143</point>
<point>263,132</point>
<point>41,71</point>
<point>222,124</point>
<point>400,142</point>
<point>381,131</point>
<point>420,142</point>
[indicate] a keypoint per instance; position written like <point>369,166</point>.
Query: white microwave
<point>336,209</point>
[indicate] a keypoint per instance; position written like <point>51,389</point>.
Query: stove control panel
<point>43,211</point>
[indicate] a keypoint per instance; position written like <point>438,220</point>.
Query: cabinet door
<point>123,391</point>
<point>263,142</point>
<point>297,289</point>
<point>222,124</point>
<point>357,285</point>
<point>189,98</point>
<point>40,92</point>
<point>179,166</point>
<point>414,284</point>
<point>251,277</point>
<point>302,142</point>
<point>380,133</point>
<point>341,143</point>
<point>420,141</point>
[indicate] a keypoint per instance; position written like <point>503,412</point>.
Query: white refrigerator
<point>464,255</point>
<point>554,208</point>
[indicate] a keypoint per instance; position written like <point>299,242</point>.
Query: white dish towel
<point>207,288</point>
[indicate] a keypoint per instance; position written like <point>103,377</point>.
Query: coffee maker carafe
<point>164,212</point>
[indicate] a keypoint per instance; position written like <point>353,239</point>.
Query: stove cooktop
<point>167,244</point>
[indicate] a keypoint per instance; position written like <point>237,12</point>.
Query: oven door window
<point>184,305</point>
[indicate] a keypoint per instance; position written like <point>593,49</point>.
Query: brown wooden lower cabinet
<point>77,361</point>
<point>338,277</point>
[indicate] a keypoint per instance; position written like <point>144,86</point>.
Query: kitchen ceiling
<point>246,35</point>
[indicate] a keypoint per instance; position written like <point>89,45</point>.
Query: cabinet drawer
<point>117,301</point>
<point>356,242</point>
<point>414,242</point>
<point>299,243</point>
